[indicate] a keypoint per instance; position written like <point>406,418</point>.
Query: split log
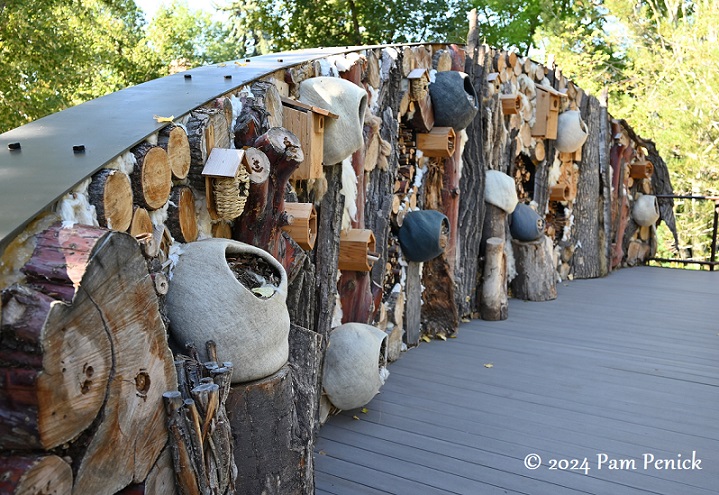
<point>181,218</point>
<point>34,475</point>
<point>207,128</point>
<point>110,193</point>
<point>173,139</point>
<point>493,304</point>
<point>161,479</point>
<point>56,361</point>
<point>412,317</point>
<point>495,225</point>
<point>536,275</point>
<point>141,222</point>
<point>439,312</point>
<point>268,455</point>
<point>152,177</point>
<point>395,327</point>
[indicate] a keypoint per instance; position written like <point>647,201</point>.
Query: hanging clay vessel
<point>355,354</point>
<point>500,190</point>
<point>525,224</point>
<point>343,136</point>
<point>207,302</point>
<point>571,132</point>
<point>454,100</point>
<point>645,211</point>
<point>423,235</point>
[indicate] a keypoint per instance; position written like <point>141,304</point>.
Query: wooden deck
<point>616,368</point>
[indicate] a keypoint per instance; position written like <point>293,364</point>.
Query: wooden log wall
<point>67,296</point>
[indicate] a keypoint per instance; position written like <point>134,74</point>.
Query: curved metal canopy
<point>46,166</point>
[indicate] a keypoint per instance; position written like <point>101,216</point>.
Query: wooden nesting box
<point>439,142</point>
<point>227,180</point>
<point>418,84</point>
<point>303,224</point>
<point>641,170</point>
<point>547,114</point>
<point>510,104</point>
<point>308,124</point>
<point>357,250</point>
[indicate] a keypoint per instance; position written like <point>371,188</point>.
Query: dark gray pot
<point>454,100</point>
<point>420,235</point>
<point>526,224</point>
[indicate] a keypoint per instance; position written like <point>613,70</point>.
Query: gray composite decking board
<point>624,365</point>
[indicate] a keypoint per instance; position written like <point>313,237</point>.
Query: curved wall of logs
<point>229,151</point>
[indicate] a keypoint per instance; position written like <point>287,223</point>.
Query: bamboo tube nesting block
<point>357,250</point>
<point>560,192</point>
<point>439,142</point>
<point>303,224</point>
<point>641,170</point>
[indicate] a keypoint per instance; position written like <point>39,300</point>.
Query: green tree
<point>178,33</point>
<point>262,27</point>
<point>54,54</point>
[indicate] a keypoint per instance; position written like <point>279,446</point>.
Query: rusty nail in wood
<point>80,148</point>
<point>13,146</point>
<point>188,76</point>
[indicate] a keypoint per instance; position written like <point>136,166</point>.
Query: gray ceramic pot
<point>526,224</point>
<point>421,236</point>
<point>454,100</point>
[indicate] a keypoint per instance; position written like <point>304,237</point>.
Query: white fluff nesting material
<point>373,103</point>
<point>236,107</point>
<point>500,190</point>
<point>389,60</point>
<point>463,138</point>
<point>159,217</point>
<point>555,172</point>
<point>75,208</point>
<point>344,62</point>
<point>349,191</point>
<point>204,222</point>
<point>124,163</point>
<point>327,68</point>
<point>511,264</point>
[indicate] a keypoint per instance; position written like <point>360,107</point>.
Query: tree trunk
<point>110,193</point>
<point>439,313</point>
<point>536,275</point>
<point>181,217</point>
<point>493,304</point>
<point>587,260</point>
<point>152,177</point>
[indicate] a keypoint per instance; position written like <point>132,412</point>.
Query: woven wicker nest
<point>231,194</point>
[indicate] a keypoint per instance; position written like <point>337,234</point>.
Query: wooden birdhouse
<point>307,122</point>
<point>418,84</point>
<point>641,169</point>
<point>510,104</point>
<point>303,224</point>
<point>357,250</point>
<point>548,104</point>
<point>227,180</point>
<point>439,142</point>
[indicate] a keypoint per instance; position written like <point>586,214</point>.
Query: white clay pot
<point>206,302</point>
<point>645,211</point>
<point>500,190</point>
<point>571,132</point>
<point>343,136</point>
<point>351,375</point>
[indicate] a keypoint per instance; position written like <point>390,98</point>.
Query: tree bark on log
<point>493,304</point>
<point>181,217</point>
<point>306,349</point>
<point>35,475</point>
<point>413,305</point>
<point>471,205</point>
<point>536,275</point>
<point>494,225</point>
<point>327,249</point>
<point>268,455</point>
<point>151,178</point>
<point>587,260</point>
<point>110,193</point>
<point>173,139</point>
<point>439,313</point>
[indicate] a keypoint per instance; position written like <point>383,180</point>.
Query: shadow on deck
<point>620,368</point>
